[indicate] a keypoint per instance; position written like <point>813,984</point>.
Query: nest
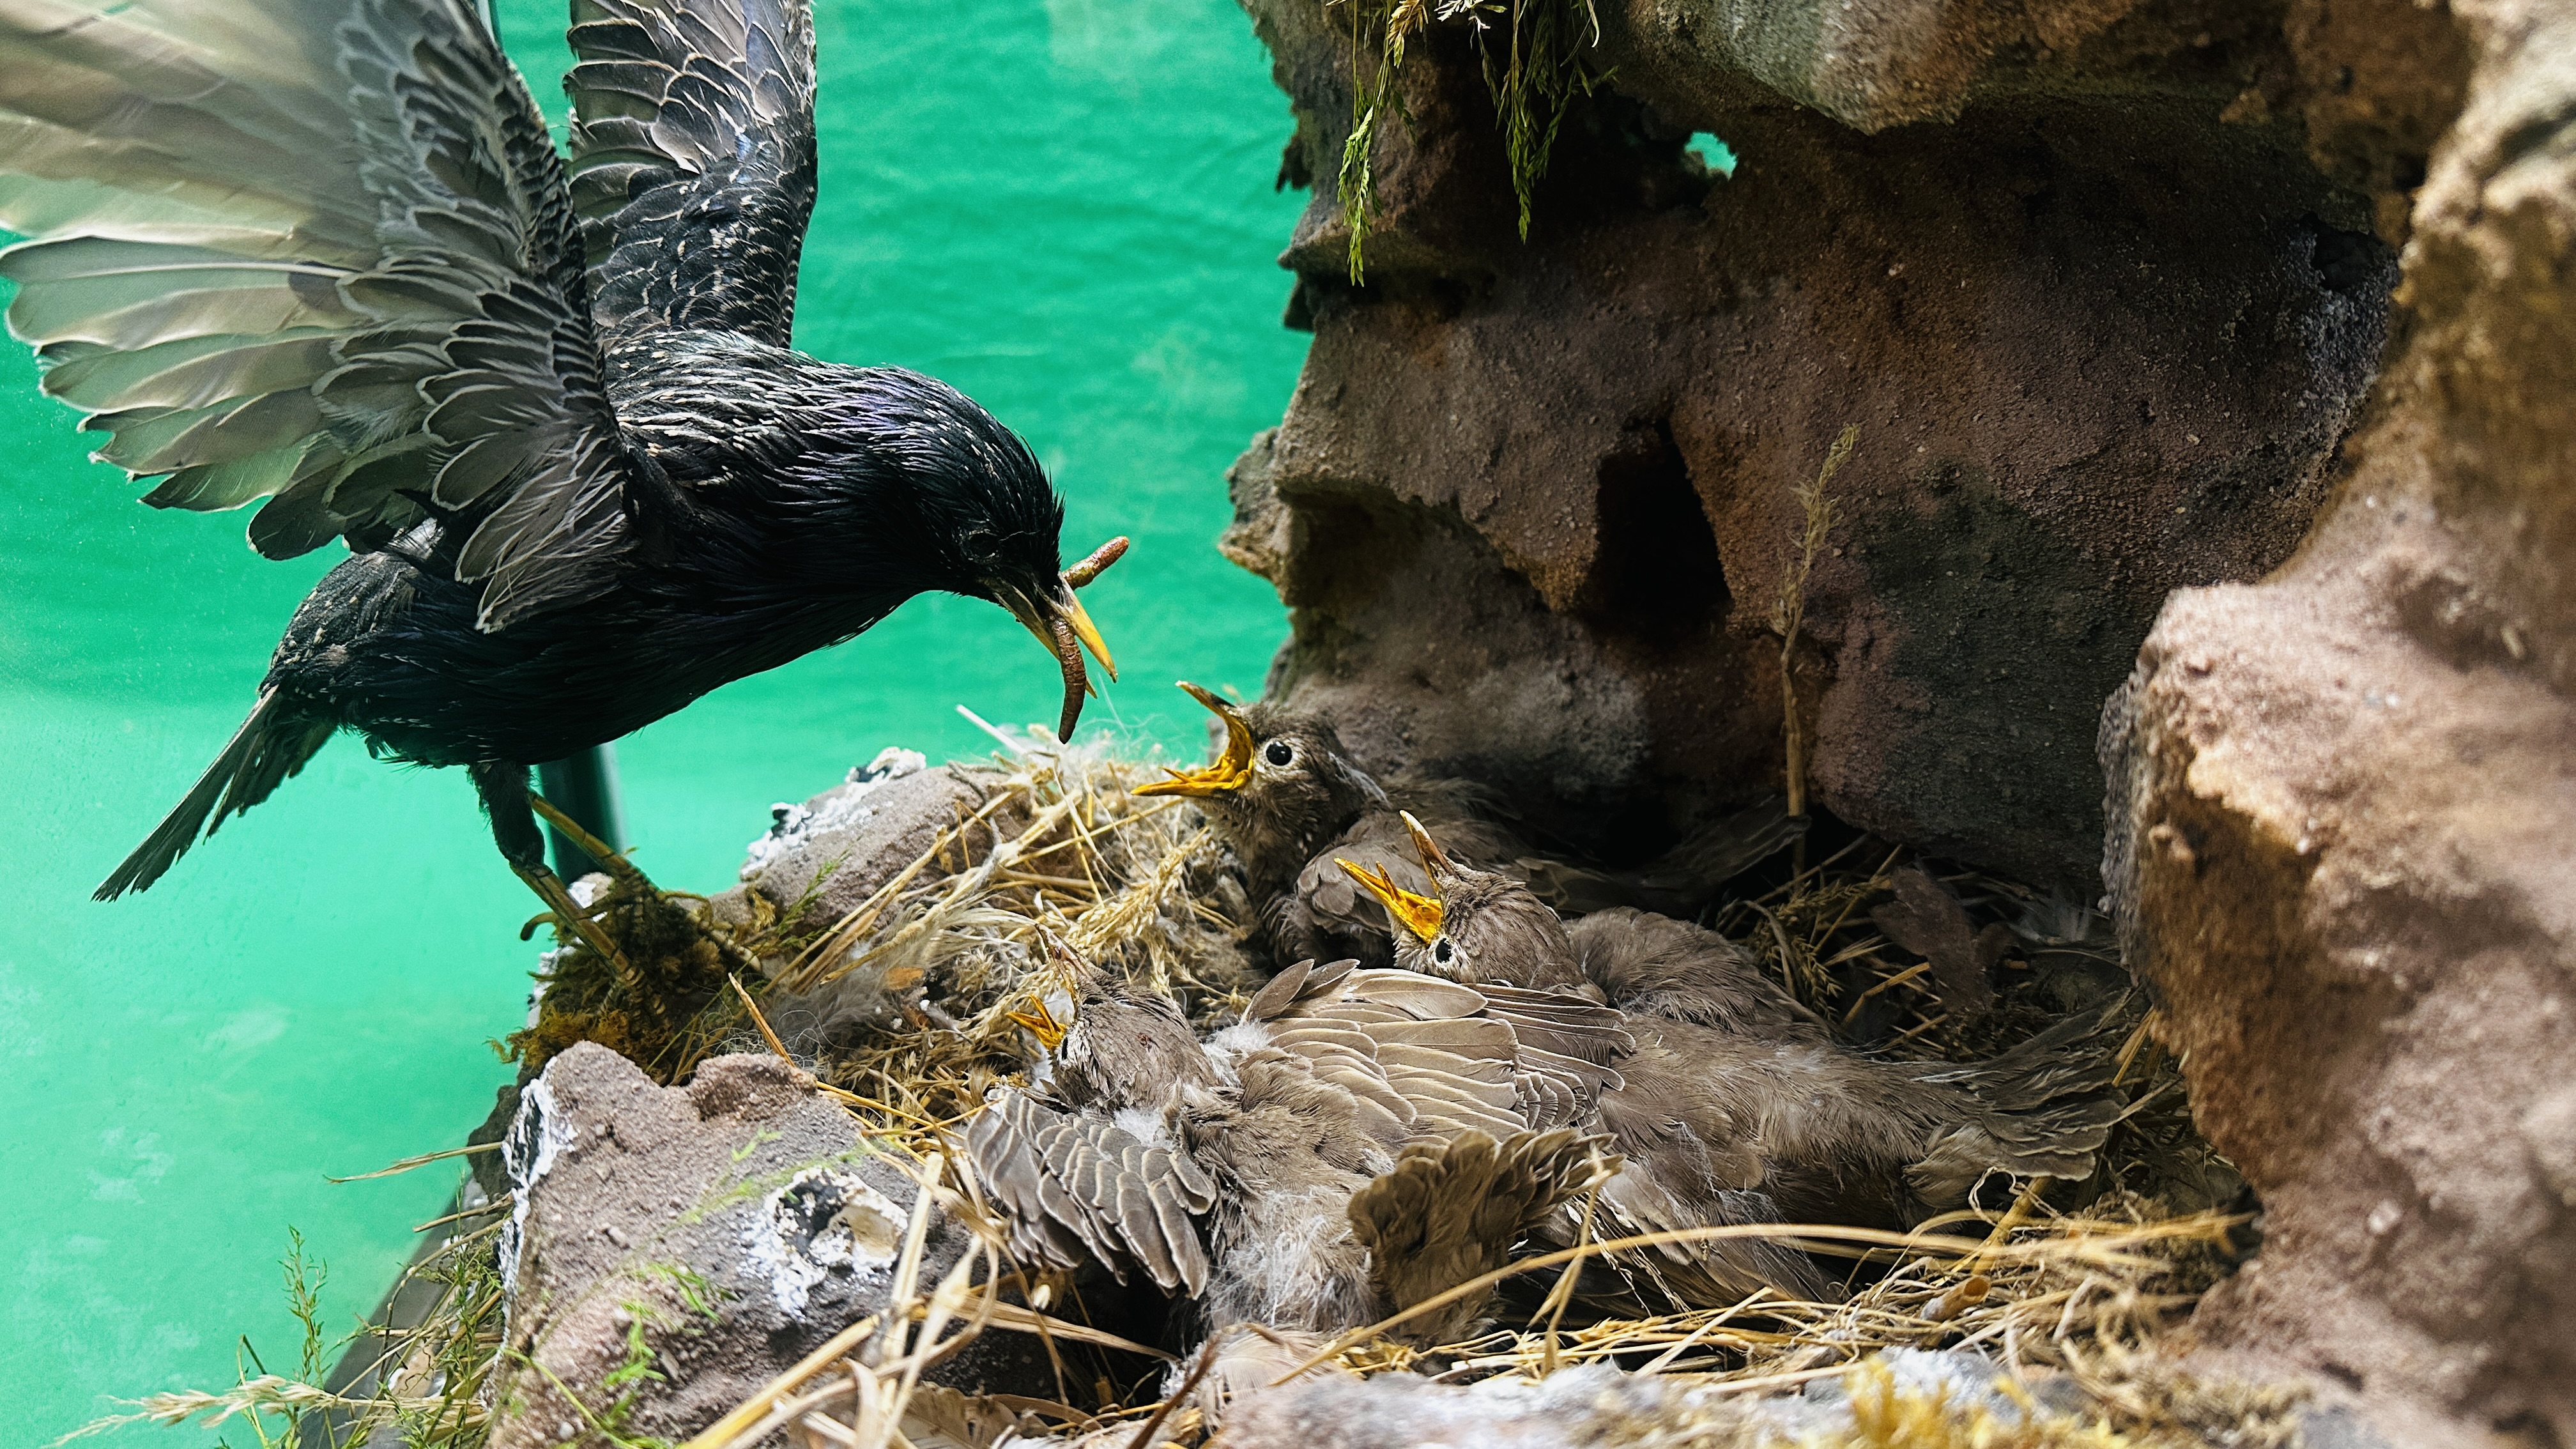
<point>968,950</point>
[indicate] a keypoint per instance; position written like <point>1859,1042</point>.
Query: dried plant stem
<point>1820,516</point>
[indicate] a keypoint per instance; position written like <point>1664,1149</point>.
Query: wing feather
<point>1431,1058</point>
<point>270,249</point>
<point>693,122</point>
<point>1076,1188</point>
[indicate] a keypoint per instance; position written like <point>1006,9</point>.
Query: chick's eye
<point>1280,752</point>
<point>1442,951</point>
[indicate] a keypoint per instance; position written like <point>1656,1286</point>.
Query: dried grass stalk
<point>1790,617</point>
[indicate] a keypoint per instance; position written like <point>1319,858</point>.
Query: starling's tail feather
<point>270,745</point>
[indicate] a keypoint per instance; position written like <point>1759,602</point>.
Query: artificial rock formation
<point>2344,820</point>
<point>2113,291</point>
<point>672,1249</point>
<point>2102,284</point>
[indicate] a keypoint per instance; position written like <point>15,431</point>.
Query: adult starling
<point>323,252</point>
<point>1359,1142</point>
<point>1289,801</point>
<point>1832,1136</point>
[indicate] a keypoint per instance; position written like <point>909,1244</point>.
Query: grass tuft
<point>1531,52</point>
<point>1818,517</point>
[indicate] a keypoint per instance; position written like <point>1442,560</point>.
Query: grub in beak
<point>1056,633</point>
<point>1065,628</point>
<point>1075,577</point>
<point>1231,770</point>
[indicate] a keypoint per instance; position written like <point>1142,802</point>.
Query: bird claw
<point>568,915</point>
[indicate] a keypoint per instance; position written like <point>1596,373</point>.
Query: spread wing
<point>318,252</point>
<point>693,160</point>
<point>1078,1189</point>
<point>1429,1059</point>
<point>1451,1211</point>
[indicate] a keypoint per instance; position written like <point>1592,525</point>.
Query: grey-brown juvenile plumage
<point>1367,1140</point>
<point>1830,1135</point>
<point>324,253</point>
<point>1361,1141</point>
<point>1289,801</point>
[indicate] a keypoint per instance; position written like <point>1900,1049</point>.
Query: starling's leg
<point>617,865</point>
<point>613,862</point>
<point>504,789</point>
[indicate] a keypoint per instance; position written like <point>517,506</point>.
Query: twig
<point>426,1158</point>
<point>1198,1371</point>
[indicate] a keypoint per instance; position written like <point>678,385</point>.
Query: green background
<point>1064,207</point>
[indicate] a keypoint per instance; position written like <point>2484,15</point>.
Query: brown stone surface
<point>2344,821</point>
<point>675,1248</point>
<point>1531,503</point>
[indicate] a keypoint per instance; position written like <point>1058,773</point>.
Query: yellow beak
<point>1435,861</point>
<point>1417,914</point>
<point>1088,633</point>
<point>1065,628</point>
<point>1231,769</point>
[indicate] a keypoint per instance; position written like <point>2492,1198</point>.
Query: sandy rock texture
<point>2103,285</point>
<point>2343,819</point>
<point>1595,1404</point>
<point>674,1248</point>
<point>830,855</point>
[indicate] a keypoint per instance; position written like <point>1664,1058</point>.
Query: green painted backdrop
<point>1064,207</point>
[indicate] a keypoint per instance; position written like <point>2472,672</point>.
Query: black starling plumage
<point>1289,801</point>
<point>323,252</point>
<point>1830,1135</point>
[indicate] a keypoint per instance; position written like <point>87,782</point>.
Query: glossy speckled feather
<point>693,160</point>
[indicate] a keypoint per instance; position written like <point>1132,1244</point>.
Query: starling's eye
<point>1280,753</point>
<point>1442,951</point>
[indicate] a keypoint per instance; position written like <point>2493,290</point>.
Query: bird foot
<point>570,915</point>
<point>633,883</point>
<point>614,862</point>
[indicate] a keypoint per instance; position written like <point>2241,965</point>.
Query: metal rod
<point>585,788</point>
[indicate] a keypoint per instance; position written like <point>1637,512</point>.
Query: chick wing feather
<point>1073,1188</point>
<point>1452,1056</point>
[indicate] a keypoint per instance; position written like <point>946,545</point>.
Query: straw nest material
<point>970,944</point>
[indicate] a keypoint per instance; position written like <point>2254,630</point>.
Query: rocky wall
<point>2102,285</point>
<point>2344,821</point>
<point>2266,308</point>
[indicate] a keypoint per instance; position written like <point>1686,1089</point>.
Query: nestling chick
<point>1289,800</point>
<point>1360,1142</point>
<point>1831,1135</point>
